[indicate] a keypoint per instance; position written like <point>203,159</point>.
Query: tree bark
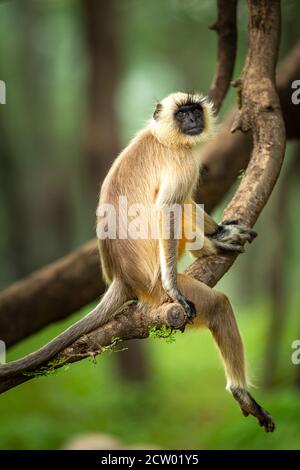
<point>227,153</point>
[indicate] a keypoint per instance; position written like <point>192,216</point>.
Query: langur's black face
<point>190,118</point>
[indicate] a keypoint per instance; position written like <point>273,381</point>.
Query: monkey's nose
<point>191,118</point>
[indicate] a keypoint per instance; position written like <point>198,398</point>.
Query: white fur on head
<point>165,128</point>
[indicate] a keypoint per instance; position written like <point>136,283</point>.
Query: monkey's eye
<point>180,114</point>
<point>198,112</point>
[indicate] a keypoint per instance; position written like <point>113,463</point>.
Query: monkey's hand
<point>231,236</point>
<point>189,307</point>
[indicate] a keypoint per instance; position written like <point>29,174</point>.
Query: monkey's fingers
<point>229,247</point>
<point>230,222</point>
<point>250,407</point>
<point>248,231</point>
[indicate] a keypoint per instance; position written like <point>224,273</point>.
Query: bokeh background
<point>81,78</point>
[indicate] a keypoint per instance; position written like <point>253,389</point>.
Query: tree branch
<point>132,322</point>
<point>222,163</point>
<point>261,115</point>
<point>225,27</point>
<point>50,294</point>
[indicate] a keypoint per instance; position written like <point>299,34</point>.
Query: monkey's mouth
<point>196,130</point>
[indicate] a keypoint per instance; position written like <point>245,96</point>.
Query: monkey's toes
<point>190,310</point>
<point>244,233</point>
<point>264,418</point>
<point>249,233</point>
<point>244,237</point>
<point>267,422</point>
<point>250,407</point>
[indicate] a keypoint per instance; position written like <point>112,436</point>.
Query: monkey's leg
<point>217,237</point>
<point>215,312</point>
<point>231,236</point>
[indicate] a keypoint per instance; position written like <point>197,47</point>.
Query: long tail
<point>112,300</point>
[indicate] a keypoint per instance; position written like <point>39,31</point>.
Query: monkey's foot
<point>231,236</point>
<point>189,308</point>
<point>250,407</point>
<point>243,229</point>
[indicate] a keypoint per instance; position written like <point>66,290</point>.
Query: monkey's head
<point>183,119</point>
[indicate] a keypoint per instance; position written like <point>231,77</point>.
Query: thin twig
<point>226,29</point>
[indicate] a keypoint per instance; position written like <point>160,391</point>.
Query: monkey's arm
<point>168,221</point>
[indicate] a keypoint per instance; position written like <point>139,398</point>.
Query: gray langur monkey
<point>157,169</point>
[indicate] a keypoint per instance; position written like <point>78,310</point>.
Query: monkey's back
<point>132,179</point>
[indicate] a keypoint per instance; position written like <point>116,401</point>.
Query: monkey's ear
<point>157,111</point>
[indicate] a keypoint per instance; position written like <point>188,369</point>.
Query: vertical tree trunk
<point>297,174</point>
<point>13,204</point>
<point>101,136</point>
<point>276,292</point>
<point>133,364</point>
<point>276,275</point>
<point>101,139</point>
<point>48,224</point>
